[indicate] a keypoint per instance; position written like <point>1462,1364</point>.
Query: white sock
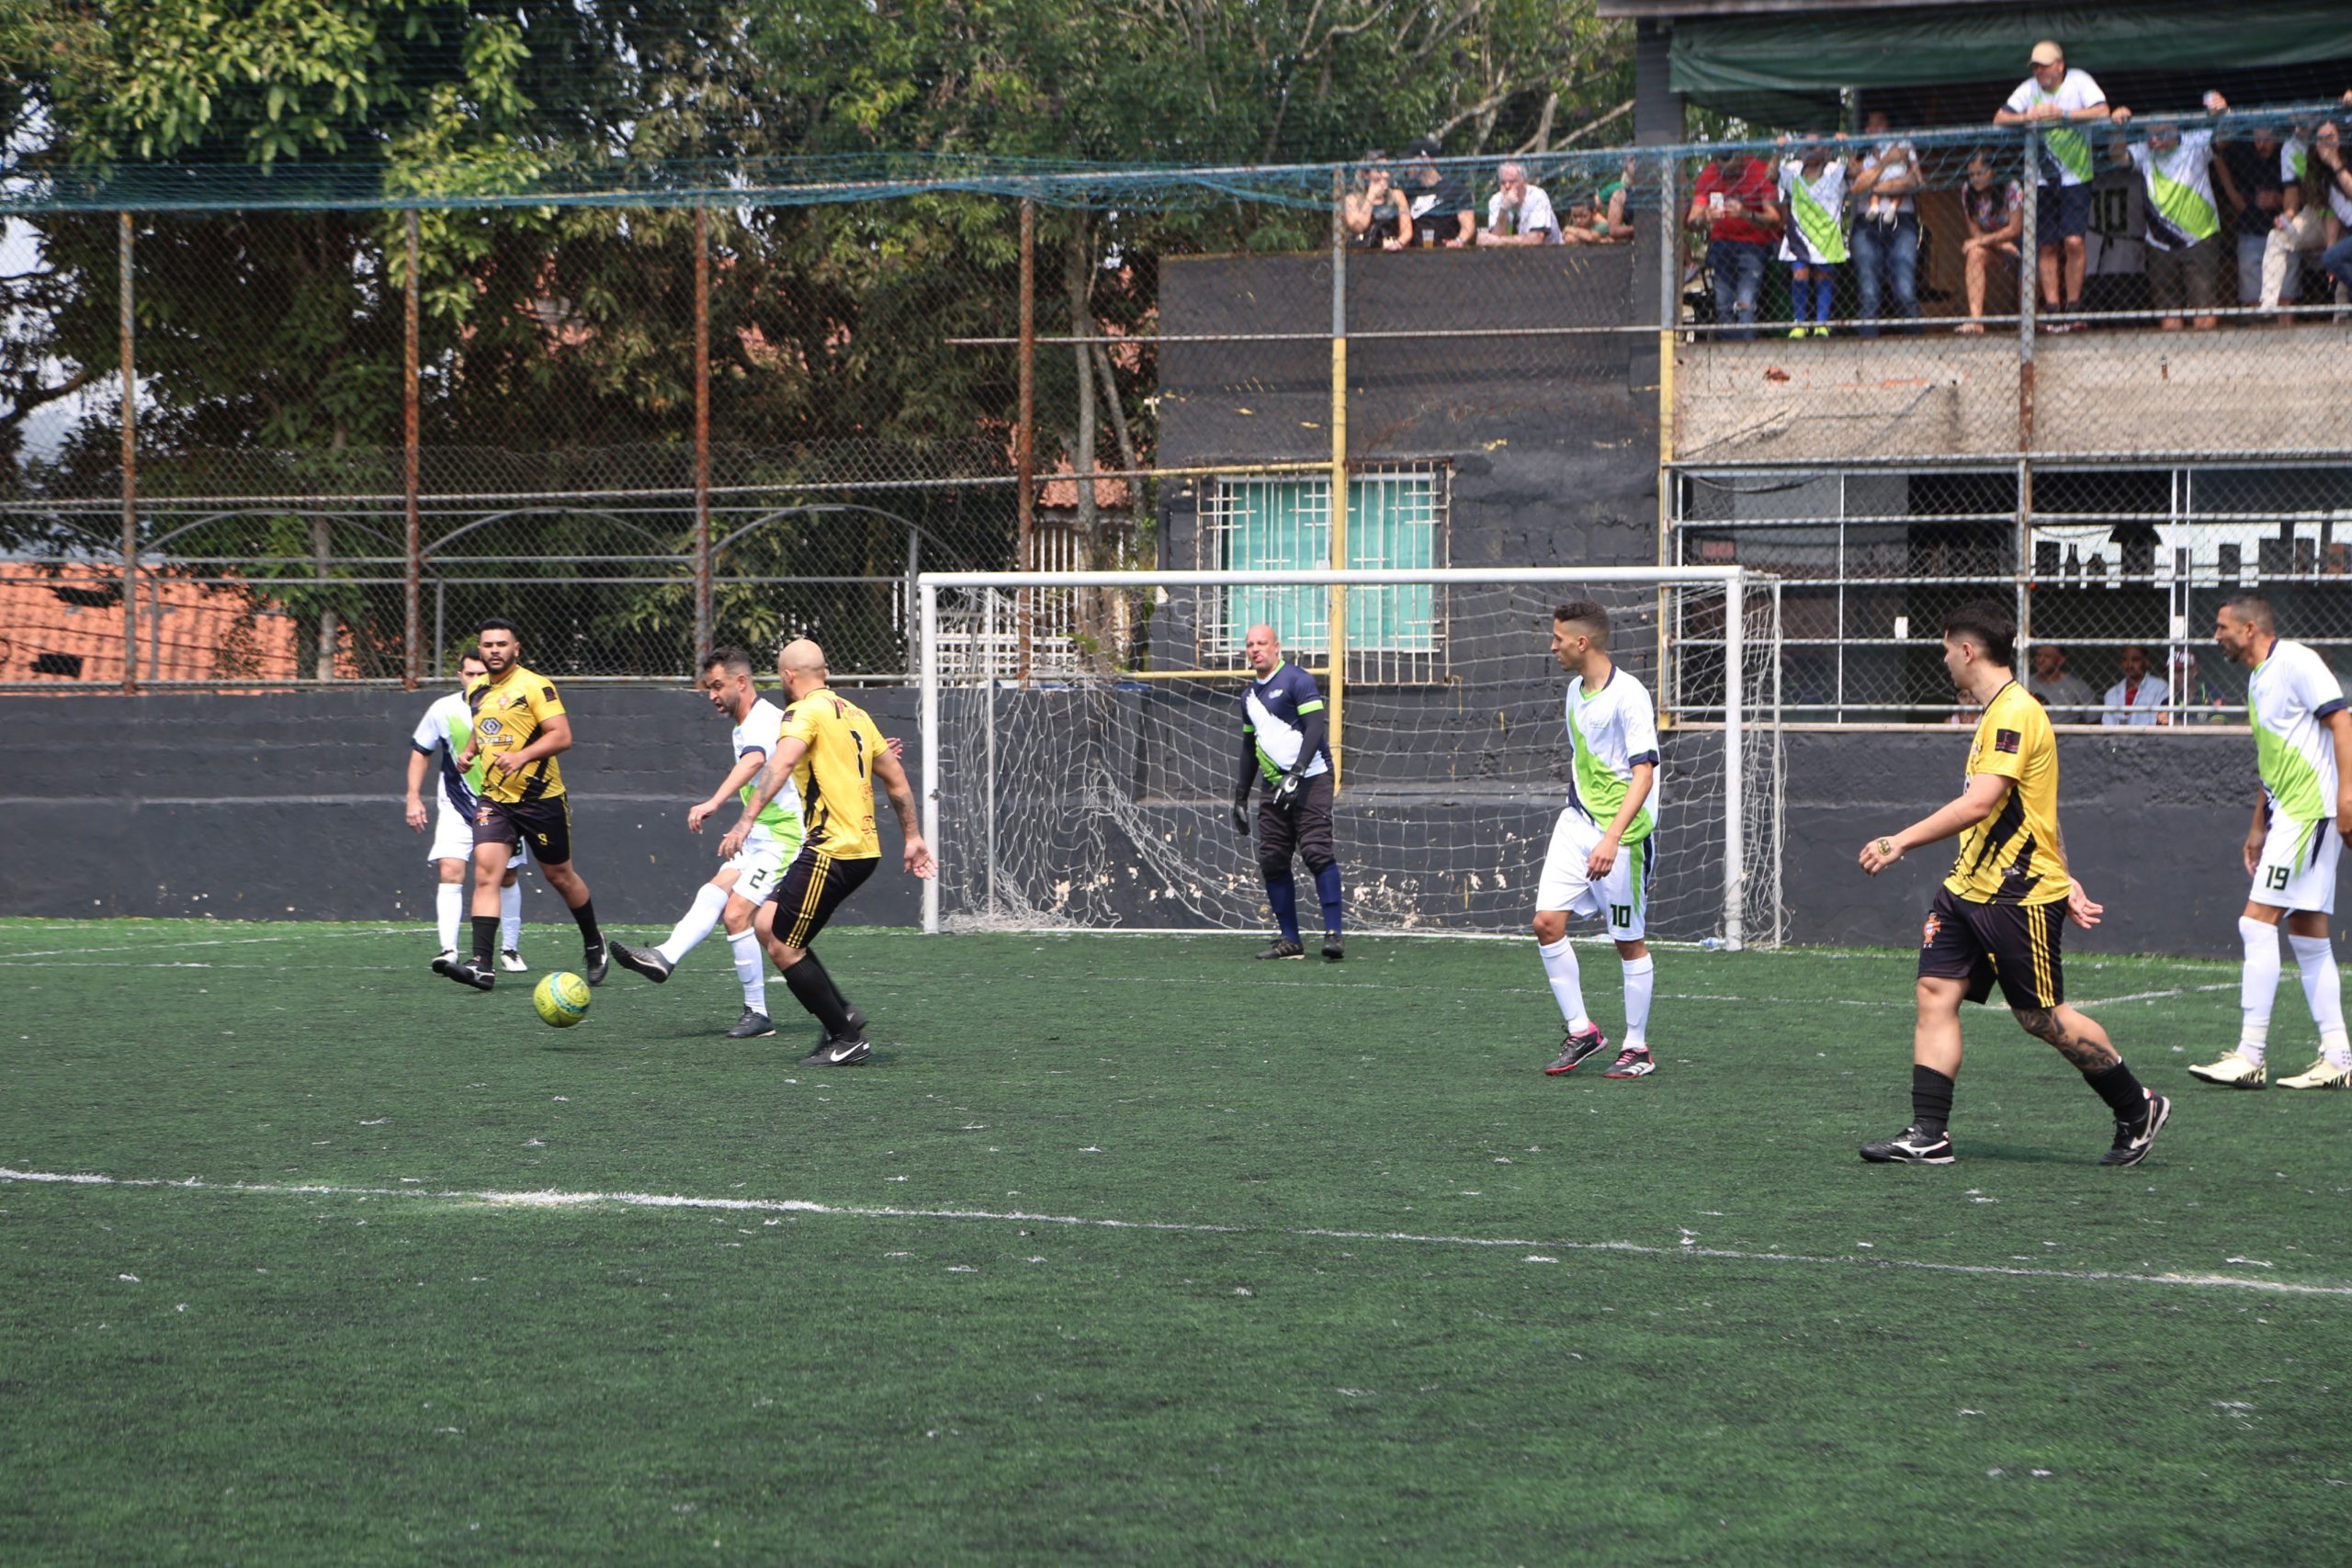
<point>2257,983</point>
<point>695,924</point>
<point>2324,988</point>
<point>510,919</point>
<point>450,902</point>
<point>1641,977</point>
<point>1567,985</point>
<point>751,967</point>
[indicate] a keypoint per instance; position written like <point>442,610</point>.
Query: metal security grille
<point>2097,559</point>
<point>1397,519</point>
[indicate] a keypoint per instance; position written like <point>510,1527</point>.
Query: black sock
<point>1930,1098</point>
<point>485,940</point>
<point>813,989</point>
<point>2121,1092</point>
<point>586,915</point>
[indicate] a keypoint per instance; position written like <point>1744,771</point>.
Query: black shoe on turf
<point>753,1025</point>
<point>1575,1048</point>
<point>1281,947</point>
<point>466,972</point>
<point>1334,949</point>
<point>595,963</point>
<point>1911,1146</point>
<point>2133,1139</point>
<point>640,960</point>
<point>838,1054</point>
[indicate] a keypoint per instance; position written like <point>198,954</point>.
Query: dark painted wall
<point>290,806</point>
<point>2153,820</point>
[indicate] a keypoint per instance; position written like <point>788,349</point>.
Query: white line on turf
<point>556,1200</point>
<point>217,941</point>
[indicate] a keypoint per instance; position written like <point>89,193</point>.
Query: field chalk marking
<point>555,1200</point>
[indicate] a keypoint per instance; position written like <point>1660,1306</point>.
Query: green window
<point>1285,525</point>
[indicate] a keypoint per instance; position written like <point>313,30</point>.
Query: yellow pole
<point>1338,623</point>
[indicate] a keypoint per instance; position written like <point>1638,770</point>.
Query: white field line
<point>557,1200</point>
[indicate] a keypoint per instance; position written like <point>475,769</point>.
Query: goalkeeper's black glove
<point>1241,814</point>
<point>1286,791</point>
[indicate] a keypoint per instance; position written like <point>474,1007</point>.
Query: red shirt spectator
<point>1748,181</point>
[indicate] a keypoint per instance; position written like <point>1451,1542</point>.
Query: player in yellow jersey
<point>519,728</point>
<point>832,753</point>
<point>1999,915</point>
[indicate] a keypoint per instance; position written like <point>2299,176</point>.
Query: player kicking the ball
<point>2302,812</point>
<point>1601,860</point>
<point>734,894</point>
<point>2000,913</point>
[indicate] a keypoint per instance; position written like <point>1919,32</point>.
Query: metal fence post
<point>1024,436</point>
<point>412,596</point>
<point>129,468</point>
<point>2028,283</point>
<point>1336,623</point>
<point>702,438</point>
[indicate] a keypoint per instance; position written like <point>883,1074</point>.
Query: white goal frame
<point>1737,583</point>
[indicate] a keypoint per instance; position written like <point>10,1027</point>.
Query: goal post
<point>1078,773</point>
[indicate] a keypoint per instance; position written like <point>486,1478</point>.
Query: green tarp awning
<point>1743,63</point>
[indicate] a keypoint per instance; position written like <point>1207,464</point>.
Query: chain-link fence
<point>737,414</point>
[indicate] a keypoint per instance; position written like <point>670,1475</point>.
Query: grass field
<point>1125,1249</point>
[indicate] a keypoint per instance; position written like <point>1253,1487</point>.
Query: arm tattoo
<point>2087,1055</point>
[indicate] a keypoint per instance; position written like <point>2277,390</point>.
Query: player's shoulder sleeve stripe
<point>422,749</point>
<point>1637,761</point>
<point>2334,705</point>
<point>1312,705</point>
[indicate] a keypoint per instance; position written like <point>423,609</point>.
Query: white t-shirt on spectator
<point>1535,217</point>
<point>1899,162</point>
<point>2065,149</point>
<point>2295,156</point>
<point>2138,706</point>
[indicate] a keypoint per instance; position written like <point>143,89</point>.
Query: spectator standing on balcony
<point>2315,209</point>
<point>2184,222</point>
<point>1736,206</point>
<point>2247,174</point>
<point>1441,212</point>
<point>1614,203</point>
<point>2327,153</point>
<point>1994,210</point>
<point>1813,186</point>
<point>1886,234</point>
<point>1527,209</point>
<point>1374,213</point>
<point>2058,100</point>
<point>2056,690</point>
<point>2138,698</point>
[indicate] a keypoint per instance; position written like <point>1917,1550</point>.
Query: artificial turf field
<point>1126,1248</point>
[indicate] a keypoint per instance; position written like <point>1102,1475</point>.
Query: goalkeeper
<point>1284,737</point>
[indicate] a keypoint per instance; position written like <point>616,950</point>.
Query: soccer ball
<point>561,999</point>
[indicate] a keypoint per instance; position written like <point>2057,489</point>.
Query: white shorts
<point>758,866</point>
<point>1622,897</point>
<point>453,837</point>
<point>2297,866</point>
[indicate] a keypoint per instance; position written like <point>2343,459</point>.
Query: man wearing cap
<point>1439,204</point>
<point>2059,100</point>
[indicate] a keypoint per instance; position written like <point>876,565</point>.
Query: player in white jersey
<point>734,894</point>
<point>1600,859</point>
<point>2302,813</point>
<point>445,729</point>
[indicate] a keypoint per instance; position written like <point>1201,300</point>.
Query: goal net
<point>1081,743</point>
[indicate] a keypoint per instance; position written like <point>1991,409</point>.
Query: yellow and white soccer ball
<point>561,999</point>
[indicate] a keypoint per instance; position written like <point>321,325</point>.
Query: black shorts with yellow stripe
<point>2016,944</point>
<point>814,885</point>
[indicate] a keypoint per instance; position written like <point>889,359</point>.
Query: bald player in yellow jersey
<point>519,729</point>
<point>1999,915</point>
<point>832,753</point>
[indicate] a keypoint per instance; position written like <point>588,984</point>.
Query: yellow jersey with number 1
<point>835,776</point>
